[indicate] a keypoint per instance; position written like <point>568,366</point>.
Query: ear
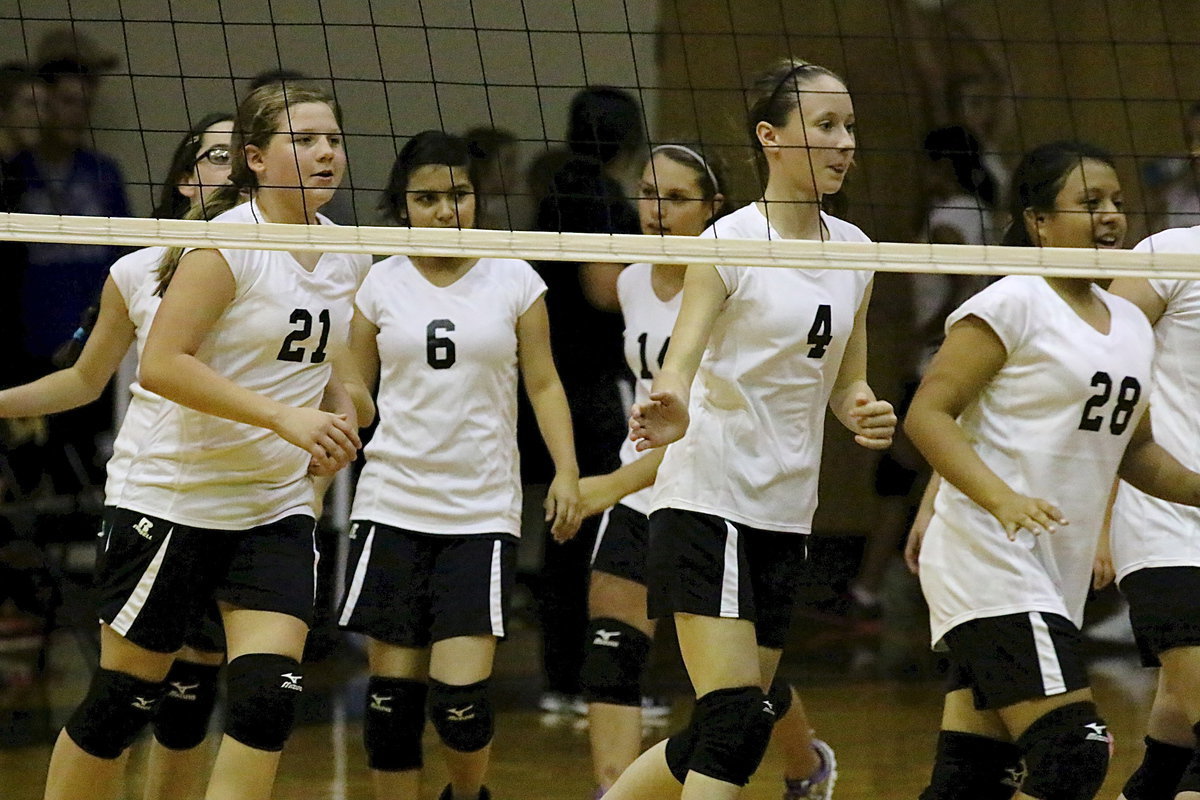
<point>716,203</point>
<point>1033,225</point>
<point>766,133</point>
<point>254,158</point>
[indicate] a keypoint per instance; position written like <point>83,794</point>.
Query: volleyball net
<point>1123,75</point>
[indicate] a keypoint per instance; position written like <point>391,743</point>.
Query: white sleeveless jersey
<point>444,458</point>
<point>648,324</point>
<point>752,453</point>
<point>134,278</point>
<point>1053,423</point>
<point>1146,531</point>
<point>275,338</point>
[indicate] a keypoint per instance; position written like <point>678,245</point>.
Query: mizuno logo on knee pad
<point>1014,776</point>
<point>144,703</point>
<point>460,714</point>
<point>606,638</point>
<point>1097,732</point>
<point>379,702</point>
<point>769,707</point>
<point>292,681</point>
<point>183,691</point>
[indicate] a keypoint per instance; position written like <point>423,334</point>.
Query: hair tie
<point>699,159</point>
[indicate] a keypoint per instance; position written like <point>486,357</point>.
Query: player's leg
<point>146,581</point>
<point>470,591</point>
<point>177,762</point>
<point>266,599</point>
<point>1181,666</point>
<point>394,718</point>
<point>387,600</point>
<point>617,644</point>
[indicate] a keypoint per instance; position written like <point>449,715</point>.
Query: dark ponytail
<point>1039,178</point>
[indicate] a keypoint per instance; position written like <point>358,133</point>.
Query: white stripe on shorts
<point>1052,676</point>
<point>496,592</point>
<point>356,584</point>
<point>729,576</point>
<point>137,598</point>
<point>600,533</point>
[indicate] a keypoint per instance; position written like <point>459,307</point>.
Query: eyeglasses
<point>217,155</point>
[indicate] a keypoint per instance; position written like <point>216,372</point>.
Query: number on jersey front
<point>662,354</point>
<point>439,350</point>
<point>1128,394</point>
<point>820,335</point>
<point>292,349</point>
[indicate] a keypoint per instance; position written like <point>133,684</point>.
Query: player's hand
<point>597,493</point>
<point>658,422</point>
<point>912,547</point>
<point>1103,572</point>
<point>330,439</point>
<point>874,422</point>
<point>563,507</point>
<point>1017,512</point>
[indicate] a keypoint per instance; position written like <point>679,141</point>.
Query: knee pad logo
<point>607,638</point>
<point>183,691</point>
<point>144,703</point>
<point>292,681</point>
<point>1097,732</point>
<point>1015,776</point>
<point>464,714</point>
<point>379,702</point>
<point>768,707</point>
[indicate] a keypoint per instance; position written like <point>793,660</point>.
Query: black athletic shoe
<point>448,793</point>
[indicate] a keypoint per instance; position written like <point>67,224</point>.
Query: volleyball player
<point>437,509</point>
<point>200,164</point>
<point>734,497</point>
<point>1155,547</point>
<point>218,501</point>
<point>680,195</point>
<point>1034,403</point>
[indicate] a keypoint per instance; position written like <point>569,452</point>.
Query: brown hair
<point>775,94</point>
<point>259,117</point>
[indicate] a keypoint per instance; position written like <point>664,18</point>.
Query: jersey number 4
<point>1128,395</point>
<point>302,318</point>
<point>820,335</point>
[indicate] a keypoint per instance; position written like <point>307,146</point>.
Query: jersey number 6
<point>439,350</point>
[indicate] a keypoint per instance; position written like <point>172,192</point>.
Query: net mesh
<point>1122,74</point>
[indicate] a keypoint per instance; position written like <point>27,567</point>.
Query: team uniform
<point>621,541</point>
<point>1155,547</point>
<point>211,508</point>
<point>734,498</point>
<point>437,510</point>
<point>1054,422</point>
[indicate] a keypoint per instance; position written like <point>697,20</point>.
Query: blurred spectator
<point>19,109</point>
<point>1172,184</point>
<point>500,201</point>
<point>606,138</point>
<point>61,173</point>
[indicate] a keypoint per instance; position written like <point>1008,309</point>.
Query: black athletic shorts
<point>411,589</point>
<point>159,581</point>
<point>703,564</point>
<point>1007,659</point>
<point>1164,609</point>
<point>621,544</point>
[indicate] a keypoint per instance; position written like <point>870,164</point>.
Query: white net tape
<point>616,248</point>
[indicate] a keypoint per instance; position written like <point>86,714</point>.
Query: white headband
<point>698,158</point>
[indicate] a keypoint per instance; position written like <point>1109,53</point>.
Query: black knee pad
<point>462,715</point>
<point>614,659</point>
<point>1160,772</point>
<point>116,709</point>
<point>1190,780</point>
<point>971,767</point>
<point>181,721</point>
<point>1066,753</point>
<point>394,722</point>
<point>780,696</point>
<point>732,729</point>
<point>262,692</point>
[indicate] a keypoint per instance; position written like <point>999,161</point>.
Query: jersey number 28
<point>1127,397</point>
